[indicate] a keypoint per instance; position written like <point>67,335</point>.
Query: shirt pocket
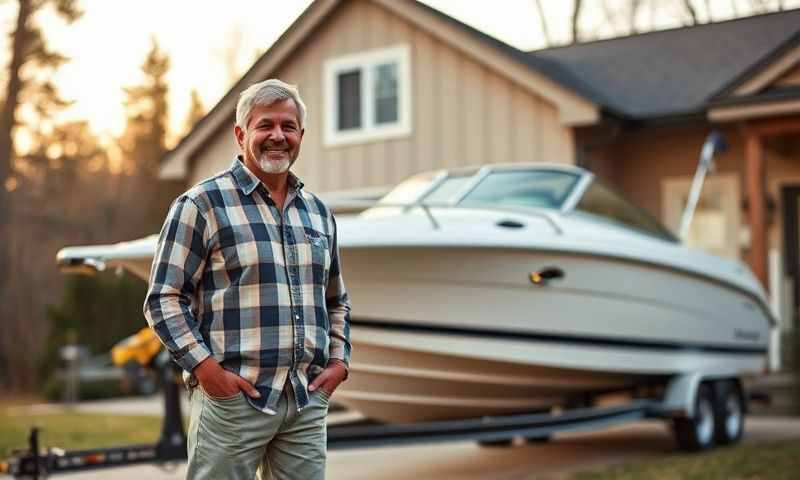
<point>318,254</point>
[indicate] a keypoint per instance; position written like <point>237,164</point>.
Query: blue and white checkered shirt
<point>258,289</point>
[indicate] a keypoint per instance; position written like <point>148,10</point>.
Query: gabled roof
<point>669,72</point>
<point>647,76</point>
<point>574,109</point>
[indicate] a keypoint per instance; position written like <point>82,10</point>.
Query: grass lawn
<point>73,431</point>
<point>773,461</point>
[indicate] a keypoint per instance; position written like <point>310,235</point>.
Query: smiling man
<point>247,295</point>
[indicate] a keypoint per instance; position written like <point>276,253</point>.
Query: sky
<point>210,43</point>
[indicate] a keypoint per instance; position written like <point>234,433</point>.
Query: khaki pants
<point>229,439</point>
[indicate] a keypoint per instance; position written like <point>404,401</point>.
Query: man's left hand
<point>330,378</point>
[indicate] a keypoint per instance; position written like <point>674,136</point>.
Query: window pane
<point>602,201</point>
<point>548,189</point>
<point>386,93</point>
<point>349,90</point>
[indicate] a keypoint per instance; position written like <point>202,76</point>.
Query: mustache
<point>274,145</point>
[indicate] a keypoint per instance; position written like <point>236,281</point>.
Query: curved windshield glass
<point>409,191</point>
<point>446,191</point>
<point>527,188</point>
<point>603,201</point>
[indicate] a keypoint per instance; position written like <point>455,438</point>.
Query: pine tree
<point>143,199</point>
<point>144,139</point>
<point>196,111</point>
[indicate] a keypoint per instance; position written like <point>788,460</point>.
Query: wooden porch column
<point>756,211</point>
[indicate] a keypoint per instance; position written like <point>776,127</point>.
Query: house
<point>395,88</point>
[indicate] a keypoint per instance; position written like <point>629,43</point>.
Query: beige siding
<point>215,156</point>
<point>462,112</point>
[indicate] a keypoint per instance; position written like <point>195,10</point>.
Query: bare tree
<point>759,6</point>
<point>231,54</point>
<point>692,12</point>
<point>611,16</point>
<point>632,13</point>
<point>576,13</point>
<point>543,24</point>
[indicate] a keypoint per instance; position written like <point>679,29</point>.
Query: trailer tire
<point>729,411</point>
<point>697,433</point>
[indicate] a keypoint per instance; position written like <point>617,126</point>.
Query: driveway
<point>568,453</point>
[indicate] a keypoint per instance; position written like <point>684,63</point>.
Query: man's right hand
<point>220,383</point>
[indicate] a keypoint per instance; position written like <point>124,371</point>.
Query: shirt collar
<point>248,181</point>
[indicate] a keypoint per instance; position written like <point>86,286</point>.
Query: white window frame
<point>366,63</point>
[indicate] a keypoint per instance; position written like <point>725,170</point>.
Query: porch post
<point>756,212</point>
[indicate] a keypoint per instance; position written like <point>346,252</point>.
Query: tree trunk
<point>689,8</point>
<point>7,123</point>
<point>635,4</point>
<point>576,13</point>
<point>543,24</point>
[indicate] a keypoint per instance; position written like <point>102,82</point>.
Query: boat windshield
<point>600,200</point>
<point>526,188</point>
<point>409,191</point>
<point>532,188</point>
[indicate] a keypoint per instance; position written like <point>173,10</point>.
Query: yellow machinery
<point>141,347</point>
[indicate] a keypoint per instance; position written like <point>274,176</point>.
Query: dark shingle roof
<point>672,71</point>
<point>661,73</point>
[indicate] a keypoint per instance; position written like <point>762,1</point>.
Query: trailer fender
<point>681,391</point>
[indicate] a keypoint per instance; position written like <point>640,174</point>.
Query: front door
<point>791,240</point>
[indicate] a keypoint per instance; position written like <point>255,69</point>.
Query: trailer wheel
<point>729,410</point>
<point>698,432</point>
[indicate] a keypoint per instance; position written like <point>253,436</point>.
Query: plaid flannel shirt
<point>258,289</point>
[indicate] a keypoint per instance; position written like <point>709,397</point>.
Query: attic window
<point>367,96</point>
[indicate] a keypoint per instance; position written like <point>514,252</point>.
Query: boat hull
<point>455,333</point>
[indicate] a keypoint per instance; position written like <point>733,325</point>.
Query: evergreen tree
<point>196,111</point>
<point>144,139</point>
<point>144,199</point>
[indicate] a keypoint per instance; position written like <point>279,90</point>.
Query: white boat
<point>513,288</point>
<point>520,288</point>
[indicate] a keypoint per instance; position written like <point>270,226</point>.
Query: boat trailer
<point>680,401</point>
<point>38,463</point>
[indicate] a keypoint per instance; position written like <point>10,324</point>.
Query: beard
<point>272,167</point>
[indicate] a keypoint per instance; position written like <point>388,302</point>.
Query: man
<point>247,295</point>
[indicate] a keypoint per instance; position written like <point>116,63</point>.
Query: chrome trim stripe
<point>559,338</point>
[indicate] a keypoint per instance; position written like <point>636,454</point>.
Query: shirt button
<point>297,317</point>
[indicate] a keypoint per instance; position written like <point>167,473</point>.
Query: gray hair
<point>267,93</point>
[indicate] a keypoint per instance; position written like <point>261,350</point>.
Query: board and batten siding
<point>463,113</point>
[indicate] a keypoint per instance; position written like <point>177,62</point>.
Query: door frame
<point>790,197</point>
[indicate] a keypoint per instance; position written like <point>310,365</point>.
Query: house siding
<point>639,163</point>
<point>462,112</point>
